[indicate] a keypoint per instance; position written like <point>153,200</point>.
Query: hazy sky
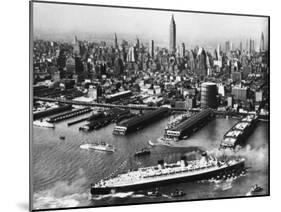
<point>192,28</point>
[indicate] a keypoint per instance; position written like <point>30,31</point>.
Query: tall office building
<point>182,50</point>
<point>252,46</point>
<point>151,49</point>
<point>172,29</point>
<point>218,52</point>
<point>76,47</point>
<point>131,56</point>
<point>115,41</point>
<point>228,46</point>
<point>138,44</point>
<point>262,43</point>
<point>241,46</point>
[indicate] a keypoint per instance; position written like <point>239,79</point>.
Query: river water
<point>62,172</point>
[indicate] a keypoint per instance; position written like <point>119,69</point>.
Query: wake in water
<point>63,194</point>
<point>257,158</point>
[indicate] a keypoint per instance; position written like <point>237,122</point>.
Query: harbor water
<point>63,172</point>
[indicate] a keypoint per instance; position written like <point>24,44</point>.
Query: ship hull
<point>237,168</point>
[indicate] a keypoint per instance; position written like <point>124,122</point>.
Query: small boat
<point>185,137</point>
<point>62,137</point>
<point>142,152</point>
<point>43,123</point>
<point>178,193</point>
<point>256,189</point>
<point>151,143</point>
<point>102,146</point>
<point>154,193</point>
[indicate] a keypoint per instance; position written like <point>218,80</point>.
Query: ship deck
<point>153,174</point>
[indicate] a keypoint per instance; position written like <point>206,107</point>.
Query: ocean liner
<point>181,171</point>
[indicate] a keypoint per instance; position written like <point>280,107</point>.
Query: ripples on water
<point>62,172</point>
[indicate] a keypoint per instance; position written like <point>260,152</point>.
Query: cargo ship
<point>239,132</point>
<point>153,176</point>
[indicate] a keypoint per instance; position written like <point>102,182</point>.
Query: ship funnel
<point>183,161</point>
<point>205,156</point>
<point>160,164</point>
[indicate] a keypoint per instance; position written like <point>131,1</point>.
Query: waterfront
<point>62,172</point>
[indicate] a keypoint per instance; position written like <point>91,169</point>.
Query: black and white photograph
<point>133,105</point>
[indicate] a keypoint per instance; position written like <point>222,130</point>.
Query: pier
<point>69,114</point>
<point>140,121</point>
<point>190,125</point>
<point>51,111</point>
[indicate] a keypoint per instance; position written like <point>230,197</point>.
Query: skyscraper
<point>76,47</point>
<point>138,44</point>
<point>252,46</point>
<point>228,46</point>
<point>172,28</point>
<point>151,49</point>
<point>115,41</point>
<point>262,43</point>
<point>131,56</point>
<point>182,50</point>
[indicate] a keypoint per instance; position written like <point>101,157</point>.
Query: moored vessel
<point>239,132</point>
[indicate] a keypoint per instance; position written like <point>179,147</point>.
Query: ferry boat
<point>102,146</point>
<point>43,123</point>
<point>181,171</point>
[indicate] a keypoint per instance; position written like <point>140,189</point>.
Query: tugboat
<point>154,193</point>
<point>142,152</point>
<point>62,137</point>
<point>178,193</point>
<point>256,189</point>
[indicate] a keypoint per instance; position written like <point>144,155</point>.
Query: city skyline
<point>62,22</point>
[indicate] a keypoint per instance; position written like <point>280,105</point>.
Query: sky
<point>59,21</point>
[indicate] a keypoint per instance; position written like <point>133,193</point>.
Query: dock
<point>69,114</point>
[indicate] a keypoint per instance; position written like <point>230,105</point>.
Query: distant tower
<point>138,44</point>
<point>151,49</point>
<point>218,52</point>
<point>262,43</point>
<point>182,50</point>
<point>172,28</point>
<point>131,56</point>
<point>241,46</point>
<point>76,47</point>
<point>247,45</point>
<point>228,46</point>
<point>252,46</point>
<point>115,41</point>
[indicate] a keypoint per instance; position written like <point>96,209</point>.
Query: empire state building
<point>172,29</point>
